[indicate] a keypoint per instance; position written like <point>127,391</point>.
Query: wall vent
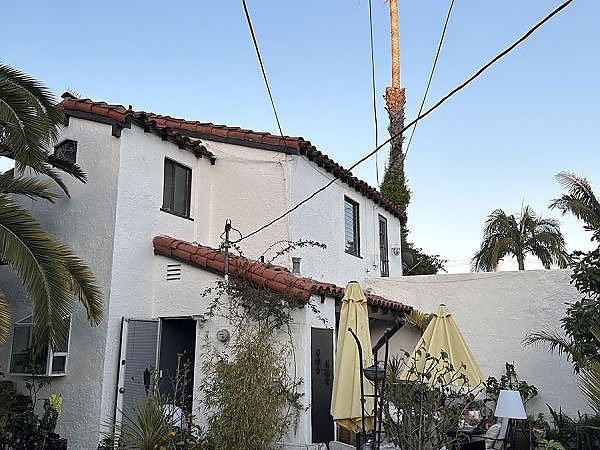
<point>173,272</point>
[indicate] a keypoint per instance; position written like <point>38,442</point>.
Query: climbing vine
<point>250,391</point>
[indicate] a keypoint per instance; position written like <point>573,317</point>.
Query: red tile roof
<point>181,130</point>
<point>276,278</point>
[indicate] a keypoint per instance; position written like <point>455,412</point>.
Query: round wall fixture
<point>223,335</point>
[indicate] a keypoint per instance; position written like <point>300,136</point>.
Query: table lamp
<point>510,406</point>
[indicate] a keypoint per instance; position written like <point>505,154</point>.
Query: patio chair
<point>496,437</point>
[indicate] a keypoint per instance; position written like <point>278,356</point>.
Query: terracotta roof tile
<point>206,130</point>
<point>276,278</point>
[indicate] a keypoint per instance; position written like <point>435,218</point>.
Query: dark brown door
<point>321,384</point>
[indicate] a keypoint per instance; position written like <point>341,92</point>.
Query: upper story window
<point>384,262</point>
<point>48,362</point>
<point>66,150</point>
<point>352,228</point>
<point>177,188</point>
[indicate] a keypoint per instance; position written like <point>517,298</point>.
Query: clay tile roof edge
<point>276,278</point>
<point>234,135</point>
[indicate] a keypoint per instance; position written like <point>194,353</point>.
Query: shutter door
<point>142,340</point>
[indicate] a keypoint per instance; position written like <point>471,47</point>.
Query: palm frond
<point>4,318</point>
<point>555,342</point>
<point>528,234</point>
<point>37,259</point>
<point>29,187</point>
<point>419,319</point>
<point>68,167</point>
<point>29,115</point>
<point>590,385</point>
<point>580,200</point>
<point>83,284</point>
<point>55,176</point>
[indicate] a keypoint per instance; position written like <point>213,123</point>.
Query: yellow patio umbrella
<point>443,334</point>
<point>346,407</point>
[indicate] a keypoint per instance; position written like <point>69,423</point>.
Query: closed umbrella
<point>443,334</point>
<point>346,407</point>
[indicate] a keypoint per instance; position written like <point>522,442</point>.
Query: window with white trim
<point>48,362</point>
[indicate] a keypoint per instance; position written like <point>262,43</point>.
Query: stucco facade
<point>110,222</point>
<point>494,311</point>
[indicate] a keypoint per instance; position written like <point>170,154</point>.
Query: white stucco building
<point>152,176</point>
<point>494,312</point>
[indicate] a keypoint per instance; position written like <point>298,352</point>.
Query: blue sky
<point>496,144</point>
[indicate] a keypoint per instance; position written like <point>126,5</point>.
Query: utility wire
<point>262,66</point>
<point>421,116</point>
<point>374,89</point>
<point>437,54</point>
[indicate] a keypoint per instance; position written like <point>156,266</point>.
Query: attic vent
<point>173,272</point>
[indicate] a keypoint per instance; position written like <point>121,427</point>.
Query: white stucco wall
<point>86,222</point>
<point>111,220</point>
<point>138,220</point>
<point>184,298</point>
<point>494,311</point>
<point>322,220</point>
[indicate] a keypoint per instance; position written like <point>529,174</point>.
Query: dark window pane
<point>168,186</point>
<point>21,338</point>
<point>58,364</point>
<point>177,187</point>
<point>66,150</point>
<point>19,362</point>
<point>181,190</point>
<point>351,232</point>
<point>383,247</point>
<point>64,345</point>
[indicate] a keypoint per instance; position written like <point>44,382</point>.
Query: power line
<point>374,89</point>
<point>262,66</point>
<point>437,54</point>
<point>421,116</point>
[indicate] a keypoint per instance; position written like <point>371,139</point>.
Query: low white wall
<point>494,311</point>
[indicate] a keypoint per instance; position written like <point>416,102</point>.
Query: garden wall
<point>494,311</point>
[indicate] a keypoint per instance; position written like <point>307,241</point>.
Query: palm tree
<point>580,201</point>
<point>50,271</point>
<point>518,236</point>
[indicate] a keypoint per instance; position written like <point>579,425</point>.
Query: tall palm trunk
<point>395,98</point>
<point>520,261</point>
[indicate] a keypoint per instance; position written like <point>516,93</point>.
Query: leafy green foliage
<point>527,233</point>
<point>582,433</point>
<point>394,188</point>
<point>250,393</point>
<point>420,414</point>
<point>254,401</point>
<point>510,381</point>
<point>50,271</point>
<point>422,263</point>
<point>154,423</point>
<point>21,428</point>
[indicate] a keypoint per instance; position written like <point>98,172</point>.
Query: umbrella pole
<point>362,389</point>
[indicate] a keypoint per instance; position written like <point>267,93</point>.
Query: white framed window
<point>47,363</point>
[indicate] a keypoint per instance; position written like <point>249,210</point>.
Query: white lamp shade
<point>510,405</point>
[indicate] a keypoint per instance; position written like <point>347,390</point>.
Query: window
<point>177,188</point>
<point>295,265</point>
<point>49,362</point>
<point>66,150</point>
<point>384,262</point>
<point>351,224</point>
